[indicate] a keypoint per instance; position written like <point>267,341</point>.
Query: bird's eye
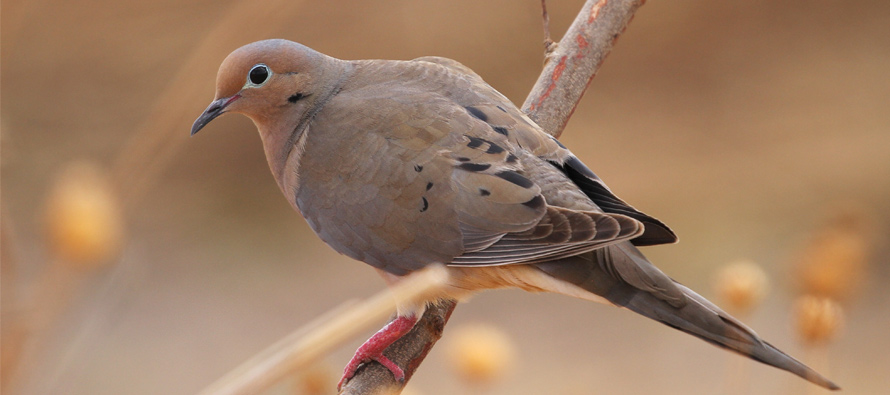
<point>258,74</point>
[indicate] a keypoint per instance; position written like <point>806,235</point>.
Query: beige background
<point>742,124</point>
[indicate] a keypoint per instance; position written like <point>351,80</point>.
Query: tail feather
<point>706,321</point>
<point>600,273</point>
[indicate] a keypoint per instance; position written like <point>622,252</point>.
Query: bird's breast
<point>366,198</point>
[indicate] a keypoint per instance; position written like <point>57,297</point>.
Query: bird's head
<point>273,82</point>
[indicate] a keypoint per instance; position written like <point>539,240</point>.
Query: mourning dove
<point>405,164</point>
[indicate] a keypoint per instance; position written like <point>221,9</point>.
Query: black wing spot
<point>574,163</point>
<point>536,203</point>
<point>484,192</point>
<point>477,113</point>
<point>515,178</point>
<point>502,109</point>
<point>418,168</point>
<point>429,186</point>
<point>501,130</point>
<point>424,204</point>
<point>475,142</point>
<point>511,158</point>
<point>475,166</point>
<point>655,232</point>
<point>494,148</point>
<point>558,143</point>
<point>295,97</point>
<point>463,159</point>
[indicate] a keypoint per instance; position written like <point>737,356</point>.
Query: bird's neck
<point>283,140</point>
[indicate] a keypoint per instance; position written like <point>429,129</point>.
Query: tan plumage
<point>403,164</point>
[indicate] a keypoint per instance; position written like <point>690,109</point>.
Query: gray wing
<point>520,131</point>
<point>502,116</point>
<point>402,179</point>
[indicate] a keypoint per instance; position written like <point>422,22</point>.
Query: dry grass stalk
<point>84,218</point>
<point>11,333</point>
<point>305,346</point>
<point>84,227</point>
<point>158,138</point>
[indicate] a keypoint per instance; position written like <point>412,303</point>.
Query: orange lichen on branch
<point>554,79</point>
<point>595,11</point>
<point>582,45</point>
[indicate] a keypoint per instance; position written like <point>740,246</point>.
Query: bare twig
<point>573,64</point>
<point>549,46</point>
<point>550,103</point>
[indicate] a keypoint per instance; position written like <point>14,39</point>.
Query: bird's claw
<point>372,350</point>
<point>361,358</point>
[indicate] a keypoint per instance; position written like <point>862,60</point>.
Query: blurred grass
<point>738,123</point>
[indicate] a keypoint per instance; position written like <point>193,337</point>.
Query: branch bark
<point>573,64</point>
<point>408,352</point>
<point>568,70</point>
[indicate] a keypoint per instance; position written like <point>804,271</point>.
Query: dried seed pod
<point>318,379</point>
<point>833,263</point>
<point>742,285</point>
<point>480,353</point>
<point>83,216</point>
<point>819,319</point>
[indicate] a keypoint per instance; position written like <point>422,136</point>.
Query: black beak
<point>215,109</point>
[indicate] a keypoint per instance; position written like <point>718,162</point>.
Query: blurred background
<point>758,130</point>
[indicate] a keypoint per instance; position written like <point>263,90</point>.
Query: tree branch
<point>568,71</point>
<point>407,352</point>
<point>570,68</point>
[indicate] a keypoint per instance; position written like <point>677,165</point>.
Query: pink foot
<point>373,348</point>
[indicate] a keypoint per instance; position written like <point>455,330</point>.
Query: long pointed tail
<point>622,275</point>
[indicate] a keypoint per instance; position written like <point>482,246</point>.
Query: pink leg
<point>373,348</point>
